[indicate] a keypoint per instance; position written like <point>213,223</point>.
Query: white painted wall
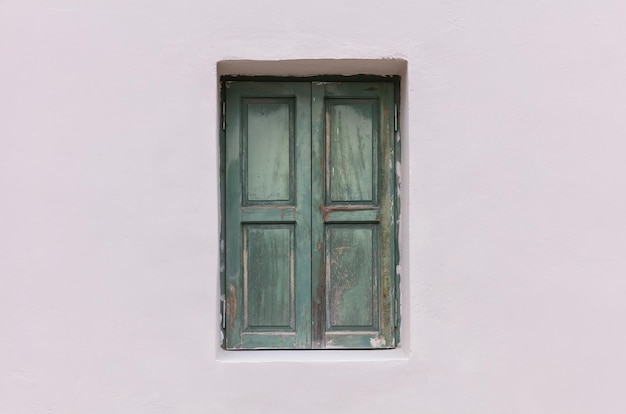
<point>514,200</point>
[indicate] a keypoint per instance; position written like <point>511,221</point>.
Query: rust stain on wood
<point>231,306</point>
<point>326,210</point>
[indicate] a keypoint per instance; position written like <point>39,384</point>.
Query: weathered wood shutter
<point>309,215</point>
<point>268,215</point>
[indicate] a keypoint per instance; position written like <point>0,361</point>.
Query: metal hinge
<point>395,117</point>
<point>223,312</point>
<point>223,115</point>
<point>396,312</point>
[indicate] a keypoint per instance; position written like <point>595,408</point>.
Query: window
<point>309,214</point>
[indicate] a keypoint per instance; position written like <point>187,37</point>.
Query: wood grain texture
<point>351,277</point>
<point>269,277</point>
<point>352,150</point>
<point>268,150</point>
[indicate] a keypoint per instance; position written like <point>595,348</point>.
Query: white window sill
<point>312,356</point>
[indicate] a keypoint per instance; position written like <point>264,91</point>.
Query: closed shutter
<point>309,215</point>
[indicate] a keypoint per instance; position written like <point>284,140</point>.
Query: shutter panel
<point>353,215</point>
<point>267,166</point>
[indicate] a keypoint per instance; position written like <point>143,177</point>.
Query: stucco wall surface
<point>513,235</point>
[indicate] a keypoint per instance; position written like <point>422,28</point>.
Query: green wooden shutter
<point>268,215</point>
<point>309,215</point>
<point>353,215</point>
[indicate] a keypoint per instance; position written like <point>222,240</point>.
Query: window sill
<point>312,356</point>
